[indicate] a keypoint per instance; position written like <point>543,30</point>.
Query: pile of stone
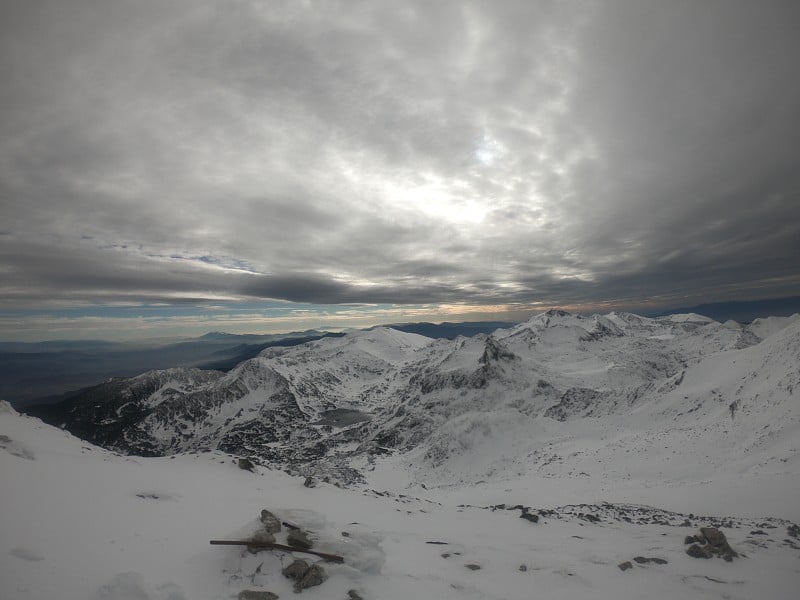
<point>304,575</point>
<point>709,543</point>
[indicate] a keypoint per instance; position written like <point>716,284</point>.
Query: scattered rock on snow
<point>533,518</point>
<point>717,543</point>
<point>313,577</point>
<point>299,539</point>
<point>256,595</point>
<point>262,537</point>
<point>523,568</point>
<point>304,575</point>
<point>271,523</point>
<point>310,482</point>
<point>625,565</point>
<point>246,464</point>
<point>354,595</point>
<point>473,567</point>
<point>696,551</point>
<point>296,571</point>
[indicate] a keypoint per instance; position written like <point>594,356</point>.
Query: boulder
<point>299,539</point>
<point>696,551</point>
<point>271,523</point>
<point>354,595</point>
<point>313,577</point>
<point>624,566</point>
<point>296,571</point>
<point>533,518</point>
<point>256,595</point>
<point>246,464</point>
<point>718,544</point>
<point>262,537</point>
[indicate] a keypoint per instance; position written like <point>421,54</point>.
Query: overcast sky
<point>171,166</point>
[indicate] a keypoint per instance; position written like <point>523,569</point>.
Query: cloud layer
<point>485,153</point>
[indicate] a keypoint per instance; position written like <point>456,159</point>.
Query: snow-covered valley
<point>617,432</point>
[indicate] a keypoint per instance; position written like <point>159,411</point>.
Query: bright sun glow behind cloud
<point>437,199</point>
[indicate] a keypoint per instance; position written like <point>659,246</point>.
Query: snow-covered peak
<point>387,344</point>
<point>687,318</point>
<point>768,326</point>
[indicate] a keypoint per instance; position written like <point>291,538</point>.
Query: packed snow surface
<point>79,522</point>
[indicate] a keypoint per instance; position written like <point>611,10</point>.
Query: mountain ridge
<point>407,394</point>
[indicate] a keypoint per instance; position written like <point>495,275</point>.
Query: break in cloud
<point>398,153</point>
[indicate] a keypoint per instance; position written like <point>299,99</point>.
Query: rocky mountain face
<point>469,408</point>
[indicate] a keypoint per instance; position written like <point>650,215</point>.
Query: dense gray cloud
<point>416,152</point>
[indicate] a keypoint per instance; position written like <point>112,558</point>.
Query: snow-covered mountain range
<point>668,392</point>
<point>566,457</point>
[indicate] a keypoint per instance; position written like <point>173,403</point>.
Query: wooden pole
<point>272,546</point>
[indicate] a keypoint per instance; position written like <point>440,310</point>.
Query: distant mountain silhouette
<point>741,311</point>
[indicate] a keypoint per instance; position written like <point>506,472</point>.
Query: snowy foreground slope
<point>79,522</point>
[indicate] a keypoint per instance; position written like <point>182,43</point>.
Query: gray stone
<point>625,565</point>
<point>713,536</point>
<point>256,595</point>
<point>262,537</point>
<point>313,577</point>
<point>272,524</point>
<point>354,595</point>
<point>297,570</point>
<point>529,517</point>
<point>246,465</point>
<point>689,539</point>
<point>309,482</point>
<point>718,543</point>
<point>473,567</point>
<point>696,551</point>
<point>299,539</point>
<point>523,568</point>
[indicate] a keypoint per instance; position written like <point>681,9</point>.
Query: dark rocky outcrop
<point>528,516</point>
<point>716,544</point>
